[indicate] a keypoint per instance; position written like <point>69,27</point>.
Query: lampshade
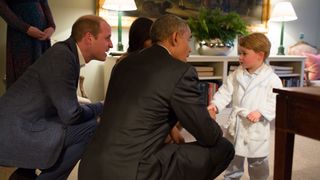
<point>283,11</point>
<point>119,5</point>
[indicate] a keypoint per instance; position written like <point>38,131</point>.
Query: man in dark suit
<point>147,93</point>
<point>42,125</point>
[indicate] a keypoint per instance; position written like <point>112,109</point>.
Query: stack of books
<point>291,81</point>
<point>282,70</point>
<point>205,71</point>
<point>208,89</point>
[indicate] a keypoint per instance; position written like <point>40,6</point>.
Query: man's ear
<point>174,39</point>
<point>88,37</point>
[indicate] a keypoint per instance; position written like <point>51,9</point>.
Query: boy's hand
<point>254,116</point>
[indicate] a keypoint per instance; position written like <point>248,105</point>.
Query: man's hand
<point>174,136</point>
<point>254,116</point>
<point>212,109</point>
<point>83,100</point>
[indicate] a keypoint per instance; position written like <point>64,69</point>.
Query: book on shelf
<point>291,82</point>
<point>207,89</point>
<point>282,70</point>
<point>204,68</point>
<point>205,71</point>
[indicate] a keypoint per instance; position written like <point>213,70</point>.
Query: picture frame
<point>255,12</point>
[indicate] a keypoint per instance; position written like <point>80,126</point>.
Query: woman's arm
<point>10,17</point>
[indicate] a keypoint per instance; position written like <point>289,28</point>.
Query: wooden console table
<point>297,112</point>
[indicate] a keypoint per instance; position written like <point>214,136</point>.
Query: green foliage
<point>212,24</point>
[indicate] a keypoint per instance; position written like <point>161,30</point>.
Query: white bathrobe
<point>247,95</point>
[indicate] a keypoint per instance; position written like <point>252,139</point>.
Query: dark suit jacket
<point>147,93</point>
<point>35,111</point>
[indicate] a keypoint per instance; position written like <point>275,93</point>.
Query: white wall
<point>65,14</point>
<point>308,23</point>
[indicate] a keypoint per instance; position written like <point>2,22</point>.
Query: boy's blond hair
<point>258,42</point>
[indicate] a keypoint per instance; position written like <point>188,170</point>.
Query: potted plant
<point>215,30</point>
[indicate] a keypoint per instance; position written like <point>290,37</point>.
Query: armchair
<point>312,62</point>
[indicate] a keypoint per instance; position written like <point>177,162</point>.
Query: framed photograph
<point>254,12</point>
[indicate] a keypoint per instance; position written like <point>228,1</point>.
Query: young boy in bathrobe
<point>249,89</point>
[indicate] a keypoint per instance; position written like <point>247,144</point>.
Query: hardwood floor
<point>5,172</point>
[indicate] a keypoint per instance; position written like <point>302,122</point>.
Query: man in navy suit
<point>148,92</point>
<point>42,125</point>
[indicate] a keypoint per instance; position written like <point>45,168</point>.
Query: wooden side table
<point>297,112</point>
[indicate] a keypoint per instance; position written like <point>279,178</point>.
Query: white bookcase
<point>222,63</point>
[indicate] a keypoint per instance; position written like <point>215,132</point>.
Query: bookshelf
<point>222,64</point>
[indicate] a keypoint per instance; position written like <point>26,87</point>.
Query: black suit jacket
<point>37,108</point>
<point>148,92</point>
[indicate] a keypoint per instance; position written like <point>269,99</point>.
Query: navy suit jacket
<point>36,110</point>
<point>147,93</point>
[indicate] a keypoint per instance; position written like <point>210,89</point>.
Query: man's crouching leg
<point>192,161</point>
<point>221,156</point>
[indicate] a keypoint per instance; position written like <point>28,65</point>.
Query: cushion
<point>300,48</point>
<point>312,62</point>
<point>312,65</point>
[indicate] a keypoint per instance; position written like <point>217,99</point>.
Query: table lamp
<point>282,12</point>
<point>119,6</point>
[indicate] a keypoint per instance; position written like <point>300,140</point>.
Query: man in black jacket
<point>147,93</point>
<point>42,125</point>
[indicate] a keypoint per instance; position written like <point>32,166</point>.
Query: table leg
<point>284,143</point>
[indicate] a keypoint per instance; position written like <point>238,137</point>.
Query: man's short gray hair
<point>164,26</point>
